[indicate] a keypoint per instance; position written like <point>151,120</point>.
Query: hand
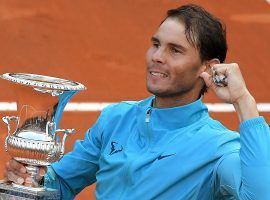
<point>17,173</point>
<point>235,92</point>
<point>236,88</point>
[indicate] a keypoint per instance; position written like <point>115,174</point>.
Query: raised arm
<point>245,175</point>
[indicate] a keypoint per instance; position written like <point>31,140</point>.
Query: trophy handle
<point>66,133</point>
<point>7,120</point>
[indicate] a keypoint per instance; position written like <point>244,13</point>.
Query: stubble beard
<point>178,92</point>
<point>169,93</point>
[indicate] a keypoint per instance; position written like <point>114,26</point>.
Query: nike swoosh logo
<point>165,156</point>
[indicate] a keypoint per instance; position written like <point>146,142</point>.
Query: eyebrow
<point>178,46</point>
<point>154,39</point>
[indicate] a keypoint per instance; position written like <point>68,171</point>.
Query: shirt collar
<point>174,117</point>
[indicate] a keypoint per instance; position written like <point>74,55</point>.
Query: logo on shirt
<point>165,156</point>
<point>115,148</point>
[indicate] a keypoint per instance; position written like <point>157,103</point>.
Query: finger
<point>22,175</point>
<point>42,171</point>
<point>14,171</point>
<point>225,68</point>
<point>14,178</point>
<point>222,65</point>
<point>29,181</point>
<point>208,79</point>
<point>15,165</point>
<point>221,70</point>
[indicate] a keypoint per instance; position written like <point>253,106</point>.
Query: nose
<point>159,55</point>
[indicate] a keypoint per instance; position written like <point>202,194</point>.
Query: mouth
<point>158,74</point>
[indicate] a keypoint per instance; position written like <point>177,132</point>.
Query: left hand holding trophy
<point>33,134</point>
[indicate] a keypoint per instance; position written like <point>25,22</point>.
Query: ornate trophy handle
<point>8,119</point>
<point>66,133</point>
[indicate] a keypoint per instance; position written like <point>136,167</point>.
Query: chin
<point>158,92</point>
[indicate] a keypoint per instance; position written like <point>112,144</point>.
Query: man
<point>167,146</point>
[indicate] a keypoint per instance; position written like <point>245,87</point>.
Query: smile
<point>159,74</point>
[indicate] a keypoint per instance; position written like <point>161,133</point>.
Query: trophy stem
<point>33,171</point>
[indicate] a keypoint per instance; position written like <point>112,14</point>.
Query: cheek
<point>148,56</point>
<point>184,76</point>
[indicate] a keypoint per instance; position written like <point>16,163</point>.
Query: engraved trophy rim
<point>43,81</point>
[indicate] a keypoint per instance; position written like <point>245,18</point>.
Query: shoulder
<point>119,108</point>
<point>217,128</point>
<point>225,140</point>
<point>116,111</point>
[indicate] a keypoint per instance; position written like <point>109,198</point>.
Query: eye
<point>156,44</point>
<point>175,50</point>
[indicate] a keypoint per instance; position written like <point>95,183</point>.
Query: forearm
<point>52,181</point>
<point>246,107</point>
<point>255,142</point>
<point>246,176</point>
<point>255,158</point>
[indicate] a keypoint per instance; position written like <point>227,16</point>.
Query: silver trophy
<point>33,134</point>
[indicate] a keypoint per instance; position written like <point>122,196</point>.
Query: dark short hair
<point>203,30</point>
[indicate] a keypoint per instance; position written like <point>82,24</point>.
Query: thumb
<point>207,78</point>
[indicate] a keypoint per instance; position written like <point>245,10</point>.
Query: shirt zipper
<point>147,121</point>
<point>148,114</point>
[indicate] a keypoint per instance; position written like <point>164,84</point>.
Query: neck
<point>174,101</point>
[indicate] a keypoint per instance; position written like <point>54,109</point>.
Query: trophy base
<point>9,192</point>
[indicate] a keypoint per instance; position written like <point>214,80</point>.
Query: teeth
<point>158,74</point>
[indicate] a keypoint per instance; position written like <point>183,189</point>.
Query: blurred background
<point>102,44</point>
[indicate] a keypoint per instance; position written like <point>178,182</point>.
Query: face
<point>173,64</point>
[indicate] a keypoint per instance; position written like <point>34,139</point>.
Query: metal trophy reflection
<point>33,134</point>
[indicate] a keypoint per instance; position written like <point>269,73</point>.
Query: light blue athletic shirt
<point>137,152</point>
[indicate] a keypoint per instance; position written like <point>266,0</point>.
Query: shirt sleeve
<point>246,175</point>
<point>77,169</point>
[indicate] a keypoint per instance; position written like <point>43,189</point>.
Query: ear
<point>209,64</point>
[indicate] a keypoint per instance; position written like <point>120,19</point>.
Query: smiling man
<point>173,66</point>
<point>167,146</point>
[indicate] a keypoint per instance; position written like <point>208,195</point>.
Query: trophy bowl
<point>33,134</point>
